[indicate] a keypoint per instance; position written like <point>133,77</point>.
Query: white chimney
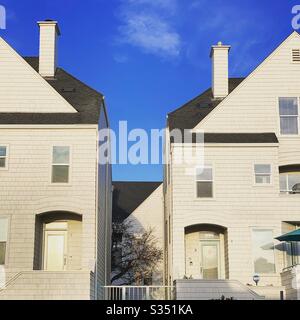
<point>49,32</point>
<point>219,56</point>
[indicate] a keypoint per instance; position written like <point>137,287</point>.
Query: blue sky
<point>150,56</point>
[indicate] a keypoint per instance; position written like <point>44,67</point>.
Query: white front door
<point>55,251</point>
<point>210,259</point>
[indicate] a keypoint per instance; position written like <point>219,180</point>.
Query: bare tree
<point>135,255</point>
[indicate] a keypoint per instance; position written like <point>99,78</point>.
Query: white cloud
<point>146,26</point>
<point>152,34</point>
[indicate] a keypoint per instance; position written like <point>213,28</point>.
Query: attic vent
<point>68,90</point>
<point>296,55</point>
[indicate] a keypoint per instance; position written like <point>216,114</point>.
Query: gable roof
<point>252,74</point>
<point>85,100</point>
<point>193,112</point>
<point>128,196</point>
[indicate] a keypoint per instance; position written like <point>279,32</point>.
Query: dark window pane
<point>2,162</point>
<point>204,189</point>
<point>60,174</point>
<point>2,252</point>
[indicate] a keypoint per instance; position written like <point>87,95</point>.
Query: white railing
<point>130,293</point>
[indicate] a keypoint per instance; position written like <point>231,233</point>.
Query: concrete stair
<point>214,290</point>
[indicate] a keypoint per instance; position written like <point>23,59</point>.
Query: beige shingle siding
<point>24,90</point>
<point>74,245</point>
<point>238,205</point>
<point>26,190</point>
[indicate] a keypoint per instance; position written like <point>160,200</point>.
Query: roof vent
<point>68,89</point>
<point>296,55</point>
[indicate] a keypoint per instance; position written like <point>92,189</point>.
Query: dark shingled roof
<point>193,112</point>
<point>235,138</point>
<point>127,196</point>
<point>84,99</point>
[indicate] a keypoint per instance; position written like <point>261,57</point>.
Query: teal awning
<point>290,237</point>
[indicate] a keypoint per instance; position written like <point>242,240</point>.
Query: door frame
<point>55,231</point>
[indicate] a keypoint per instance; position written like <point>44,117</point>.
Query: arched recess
<point>206,252</point>
<point>57,241</point>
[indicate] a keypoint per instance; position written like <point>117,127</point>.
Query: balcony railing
<point>131,293</point>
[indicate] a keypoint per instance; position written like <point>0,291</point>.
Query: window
<point>60,164</point>
<point>3,157</point>
<point>290,182</point>
<point>263,251</point>
<point>3,239</point>
<point>262,173</point>
<point>204,180</point>
<point>288,110</point>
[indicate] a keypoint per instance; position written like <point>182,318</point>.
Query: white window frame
<point>6,156</point>
<point>7,239</point>
<point>263,174</point>
<point>274,250</point>
<point>206,166</point>
<point>61,164</point>
<point>279,117</point>
<point>286,174</point>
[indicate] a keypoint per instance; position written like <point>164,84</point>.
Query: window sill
<point>60,184</point>
<point>204,199</point>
